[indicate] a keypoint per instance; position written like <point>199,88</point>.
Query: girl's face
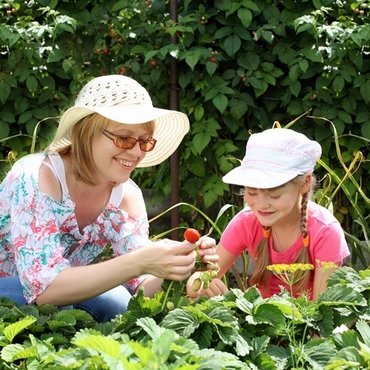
<point>115,164</point>
<point>280,205</point>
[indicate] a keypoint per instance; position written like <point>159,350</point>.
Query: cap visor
<point>256,178</point>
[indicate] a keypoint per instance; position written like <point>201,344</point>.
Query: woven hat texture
<point>123,100</point>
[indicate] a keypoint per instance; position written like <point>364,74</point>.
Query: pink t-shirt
<point>327,242</point>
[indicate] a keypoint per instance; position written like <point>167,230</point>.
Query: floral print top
<point>39,236</point>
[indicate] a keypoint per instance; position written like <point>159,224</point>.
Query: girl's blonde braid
<point>303,255</point>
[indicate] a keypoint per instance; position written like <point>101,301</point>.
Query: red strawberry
<point>191,235</point>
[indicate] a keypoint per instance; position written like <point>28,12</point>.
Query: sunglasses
<point>128,142</point>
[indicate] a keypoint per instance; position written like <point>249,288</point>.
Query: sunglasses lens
<point>147,145</point>
<point>125,142</point>
<point>128,142</point>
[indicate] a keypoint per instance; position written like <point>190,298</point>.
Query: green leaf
<point>197,166</point>
<point>232,44</point>
<point>200,141</point>
<point>95,341</point>
<point>336,295</point>
<point>303,65</point>
<point>348,338</point>
<point>119,5</point>
<point>14,352</point>
<point>4,130</point>
<point>295,87</point>
<point>365,129</point>
<point>211,67</point>
<point>345,117</point>
<point>238,108</point>
<point>4,91</point>
<point>223,32</point>
<point>198,112</point>
<point>242,347</point>
<point>268,36</point>
<point>149,55</point>
<point>318,353</point>
<point>9,35</point>
<point>220,101</point>
<point>181,321</point>
<point>245,16</point>
<point>364,330</point>
<point>25,117</point>
<point>56,54</point>
<point>14,329</point>
<point>250,5</point>
<point>269,313</point>
<point>194,55</point>
<point>313,54</point>
<point>338,84</point>
<point>249,61</point>
<point>32,84</point>
<point>150,327</point>
<point>365,91</point>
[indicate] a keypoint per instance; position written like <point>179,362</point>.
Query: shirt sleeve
<point>131,235</point>
<point>38,253</point>
<point>330,245</point>
<point>242,233</point>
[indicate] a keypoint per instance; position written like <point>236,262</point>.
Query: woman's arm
<point>165,260</point>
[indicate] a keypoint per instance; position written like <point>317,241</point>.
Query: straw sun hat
<point>124,100</point>
<point>274,157</point>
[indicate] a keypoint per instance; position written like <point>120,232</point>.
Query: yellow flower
<point>289,268</point>
<point>287,272</point>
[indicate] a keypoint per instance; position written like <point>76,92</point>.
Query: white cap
<point>274,157</point>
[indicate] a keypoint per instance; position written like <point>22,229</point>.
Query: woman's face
<point>115,164</point>
<point>278,205</point>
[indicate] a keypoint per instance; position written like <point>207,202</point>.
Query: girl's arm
<point>216,287</point>
<point>322,274</point>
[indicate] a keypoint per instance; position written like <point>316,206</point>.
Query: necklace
<point>289,238</point>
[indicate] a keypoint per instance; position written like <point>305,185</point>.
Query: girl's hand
<point>216,287</point>
<point>207,249</point>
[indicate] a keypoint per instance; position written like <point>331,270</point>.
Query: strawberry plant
<point>240,330</point>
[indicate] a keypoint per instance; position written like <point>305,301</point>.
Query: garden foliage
<point>240,66</point>
<point>238,331</point>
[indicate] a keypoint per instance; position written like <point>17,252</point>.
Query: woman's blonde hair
<point>80,149</point>
<point>262,257</point>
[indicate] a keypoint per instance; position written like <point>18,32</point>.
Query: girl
<point>60,209</point>
<point>280,225</point>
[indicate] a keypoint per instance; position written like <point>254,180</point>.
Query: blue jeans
<point>102,308</point>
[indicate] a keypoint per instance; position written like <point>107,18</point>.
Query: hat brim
<point>256,178</point>
<point>170,127</point>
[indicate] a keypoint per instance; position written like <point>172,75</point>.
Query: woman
<point>60,209</point>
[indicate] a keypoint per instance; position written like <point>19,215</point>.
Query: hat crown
<point>274,157</point>
<point>281,150</point>
<point>113,90</point>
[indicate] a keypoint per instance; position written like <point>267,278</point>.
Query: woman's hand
<point>167,259</point>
